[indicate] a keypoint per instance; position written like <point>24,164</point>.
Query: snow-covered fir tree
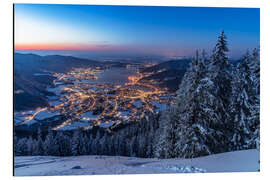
<point>246,102</point>
<point>197,117</point>
<point>21,147</point>
<point>219,73</point>
<point>40,147</point>
<point>64,144</point>
<point>32,147</point>
<point>51,147</point>
<point>201,122</point>
<point>255,113</point>
<point>165,141</point>
<point>76,146</point>
<point>242,104</point>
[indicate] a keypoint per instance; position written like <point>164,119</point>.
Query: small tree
<point>165,141</point>
<point>50,145</point>
<point>40,145</point>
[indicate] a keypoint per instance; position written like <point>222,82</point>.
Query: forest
<point>217,109</point>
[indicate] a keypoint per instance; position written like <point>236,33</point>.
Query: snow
<point>137,103</point>
<point>106,124</point>
<point>124,114</point>
<point>56,89</point>
<point>46,114</point>
<point>20,117</point>
<point>58,83</point>
<point>81,124</point>
<point>237,161</point>
<point>159,106</point>
<point>68,128</point>
<point>55,102</point>
<point>75,125</point>
<point>41,74</point>
<point>89,116</point>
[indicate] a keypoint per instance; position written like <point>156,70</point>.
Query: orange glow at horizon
<point>44,46</point>
<point>57,46</point>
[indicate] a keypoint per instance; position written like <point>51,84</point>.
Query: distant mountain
<point>169,73</point>
<point>29,89</point>
<point>170,78</point>
<point>172,64</point>
<point>28,93</point>
<point>56,63</point>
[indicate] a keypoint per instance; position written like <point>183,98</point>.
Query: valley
<point>98,96</point>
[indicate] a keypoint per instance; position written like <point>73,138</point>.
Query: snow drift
<point>237,161</point>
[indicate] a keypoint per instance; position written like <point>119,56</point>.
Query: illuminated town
<point>86,103</point>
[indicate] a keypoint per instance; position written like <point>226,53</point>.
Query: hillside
<point>55,63</point>
<point>170,78</point>
<point>170,73</point>
<point>238,161</point>
<point>172,64</point>
<point>32,74</point>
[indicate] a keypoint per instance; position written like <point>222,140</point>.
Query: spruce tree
<point>246,103</point>
<point>241,104</point>
<point>219,72</point>
<point>165,141</point>
<point>255,113</point>
<point>21,149</point>
<point>75,143</point>
<point>197,133</point>
<point>51,147</point>
<point>40,146</point>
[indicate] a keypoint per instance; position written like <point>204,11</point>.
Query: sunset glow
<point>163,31</point>
<point>58,46</point>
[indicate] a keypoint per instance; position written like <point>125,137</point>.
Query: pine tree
<point>105,144</point>
<point>197,133</point>
<point>241,104</point>
<point>89,144</point>
<point>255,113</point>
<point>75,143</point>
<point>219,73</point>
<point>95,144</point>
<point>30,146</point>
<point>177,123</point>
<point>219,59</point>
<point>166,135</point>
<point>122,143</point>
<point>15,144</point>
<point>64,144</point>
<point>51,147</point>
<point>149,142</point>
<point>40,146</point>
<point>246,102</point>
<point>21,149</point>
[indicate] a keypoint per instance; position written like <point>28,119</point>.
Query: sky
<point>130,31</point>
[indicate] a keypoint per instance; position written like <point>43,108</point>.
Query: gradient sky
<point>132,30</point>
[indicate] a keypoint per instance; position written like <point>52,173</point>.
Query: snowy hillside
<point>238,161</point>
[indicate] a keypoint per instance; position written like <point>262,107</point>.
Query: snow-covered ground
<point>46,114</point>
<point>238,161</point>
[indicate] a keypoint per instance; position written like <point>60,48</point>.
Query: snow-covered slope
<point>238,161</point>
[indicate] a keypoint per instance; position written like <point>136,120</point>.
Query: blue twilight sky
<point>132,30</point>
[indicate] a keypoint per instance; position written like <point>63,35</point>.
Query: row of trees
<point>217,110</point>
<point>134,140</point>
<point>217,107</point>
